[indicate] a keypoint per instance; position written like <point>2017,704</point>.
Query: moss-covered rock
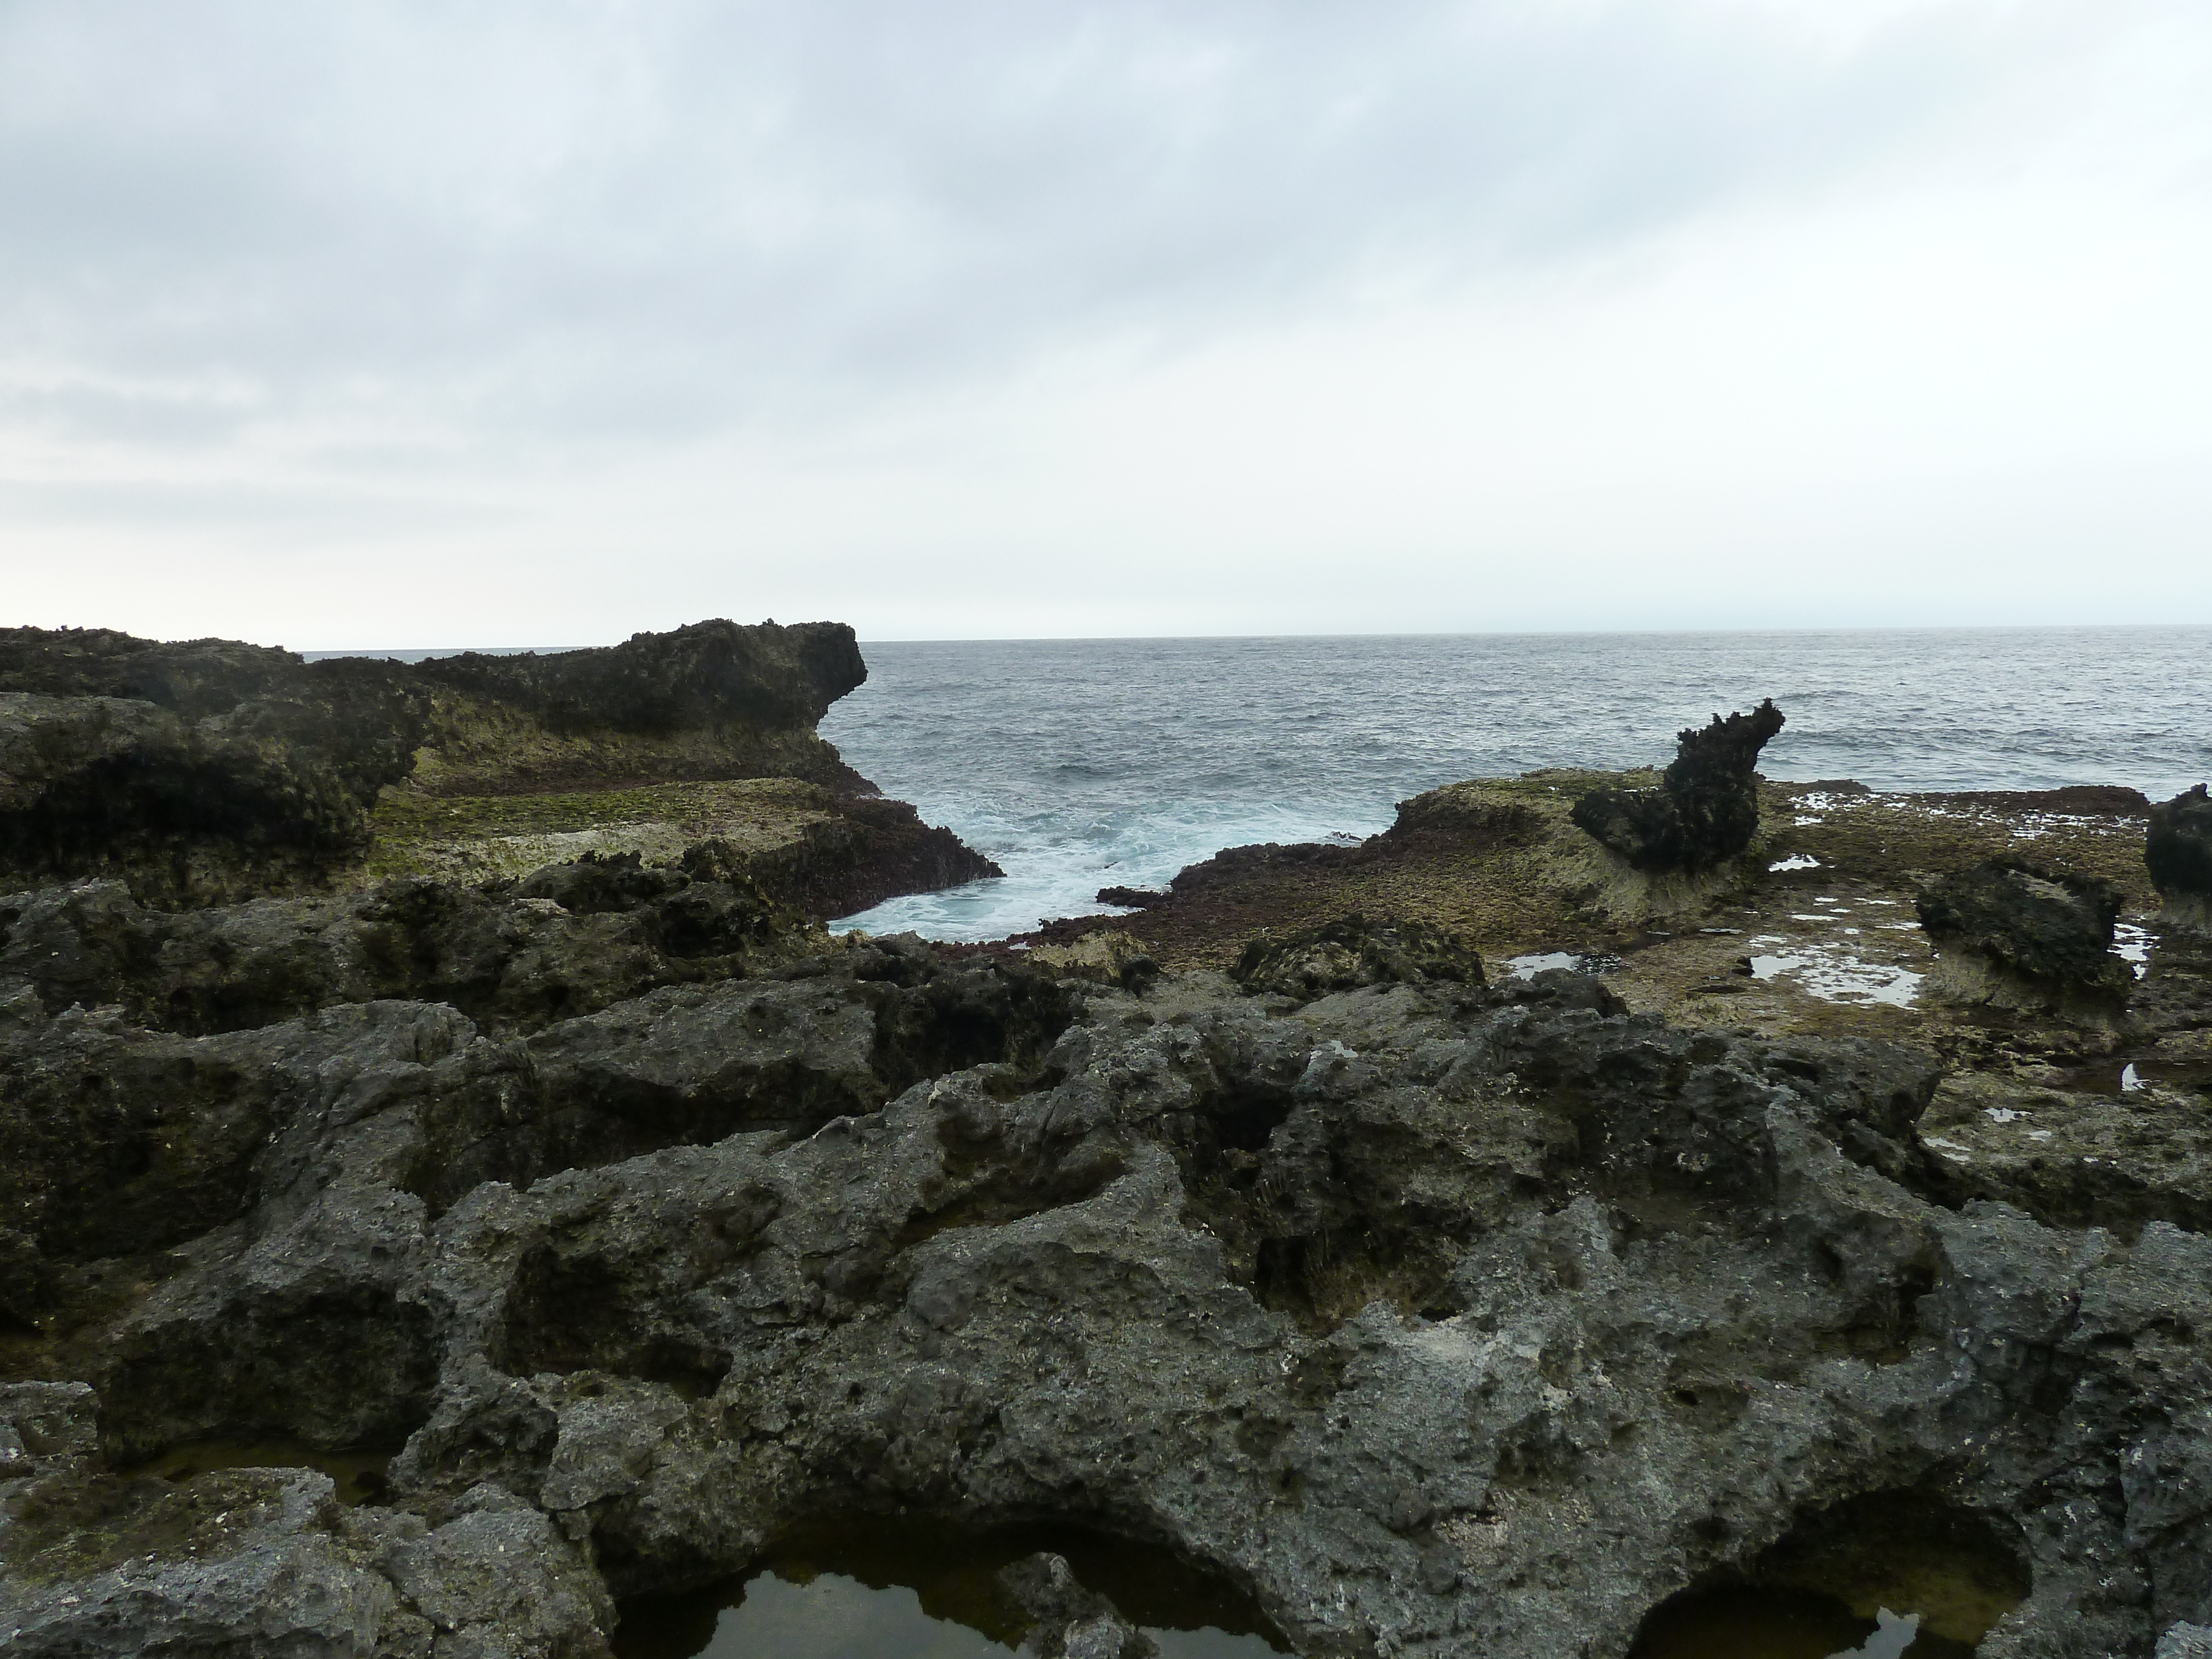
<point>186,812</point>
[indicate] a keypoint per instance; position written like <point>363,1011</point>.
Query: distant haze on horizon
<point>358,324</point>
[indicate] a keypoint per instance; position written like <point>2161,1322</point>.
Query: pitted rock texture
<point>1346,954</point>
<point>2178,851</point>
<point>2017,935</point>
<point>571,938</point>
<point>1706,810</point>
<point>1443,1319</point>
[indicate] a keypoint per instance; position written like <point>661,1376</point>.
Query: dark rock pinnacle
<point>2180,854</point>
<point>1706,810</point>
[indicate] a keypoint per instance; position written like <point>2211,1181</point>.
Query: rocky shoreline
<point>209,771</point>
<point>429,1268</point>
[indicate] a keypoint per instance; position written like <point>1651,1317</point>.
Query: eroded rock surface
<point>1706,810</point>
<point>209,771</point>
<point>1444,1318</point>
<point>514,955</point>
<point>1347,954</point>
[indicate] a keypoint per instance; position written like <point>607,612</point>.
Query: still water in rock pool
<point>1786,1624</point>
<point>876,1591</point>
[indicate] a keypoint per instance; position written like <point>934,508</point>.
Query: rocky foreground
<point>599,1228</point>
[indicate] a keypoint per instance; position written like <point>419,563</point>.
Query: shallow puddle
<point>1529,966</point>
<point>2127,1075</point>
<point>1896,1575</point>
<point>1777,1623</point>
<point>360,1474</point>
<point>1832,973</point>
<point>882,1590</point>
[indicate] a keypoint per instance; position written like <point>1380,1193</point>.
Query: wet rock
<point>1135,898</point>
<point>1340,955</point>
<point>872,849</point>
<point>1706,810</point>
<point>2012,934</point>
<point>1070,1622</point>
<point>2179,854</point>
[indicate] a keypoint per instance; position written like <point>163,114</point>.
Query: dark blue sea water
<point>1082,763</point>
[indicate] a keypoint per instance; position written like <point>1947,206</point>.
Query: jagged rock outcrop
<point>2013,934</point>
<point>2178,851</point>
<point>712,700</point>
<point>1070,1622</point>
<point>1442,1318</point>
<point>1353,951</point>
<point>1706,810</point>
<point>207,771</point>
<point>570,939</point>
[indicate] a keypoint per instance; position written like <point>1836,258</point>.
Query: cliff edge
<point>207,771</point>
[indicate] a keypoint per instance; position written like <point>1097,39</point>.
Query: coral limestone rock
<point>92,786</point>
<point>2015,935</point>
<point>1706,810</point>
<point>1375,1305</point>
<point>207,771</point>
<point>2179,854</point>
<point>1340,955</point>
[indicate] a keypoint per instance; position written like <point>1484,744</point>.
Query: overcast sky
<point>469,322</point>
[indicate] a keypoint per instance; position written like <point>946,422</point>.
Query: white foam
<point>1795,861</point>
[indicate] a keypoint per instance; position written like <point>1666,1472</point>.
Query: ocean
<point>1083,764</point>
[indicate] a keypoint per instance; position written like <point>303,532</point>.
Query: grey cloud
<point>594,220</point>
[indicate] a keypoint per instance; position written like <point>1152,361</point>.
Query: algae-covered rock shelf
<point>207,770</point>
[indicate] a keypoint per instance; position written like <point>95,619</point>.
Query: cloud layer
<point>780,298</point>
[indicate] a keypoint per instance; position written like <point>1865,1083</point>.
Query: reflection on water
<point>835,1617</point>
<point>1884,1575</point>
<point>1776,1623</point>
<point>360,1475</point>
<point>874,1591</point>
